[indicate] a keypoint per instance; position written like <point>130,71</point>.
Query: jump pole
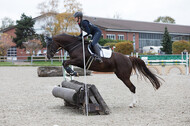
<point>85,85</point>
<point>65,54</point>
<point>64,72</point>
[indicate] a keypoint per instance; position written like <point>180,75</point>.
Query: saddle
<point>105,51</point>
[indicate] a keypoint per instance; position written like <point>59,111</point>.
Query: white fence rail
<point>30,59</point>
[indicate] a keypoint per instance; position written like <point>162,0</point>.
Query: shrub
<point>104,41</point>
<point>110,44</point>
<point>180,46</point>
<point>124,47</point>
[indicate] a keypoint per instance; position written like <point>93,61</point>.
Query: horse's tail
<point>143,70</point>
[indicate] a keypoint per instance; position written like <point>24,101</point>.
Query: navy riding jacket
<point>88,27</point>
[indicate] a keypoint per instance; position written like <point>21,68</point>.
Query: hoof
<point>131,105</point>
<point>74,74</point>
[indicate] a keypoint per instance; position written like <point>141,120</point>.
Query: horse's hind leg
<point>126,80</point>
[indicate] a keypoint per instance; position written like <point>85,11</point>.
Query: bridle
<point>66,46</point>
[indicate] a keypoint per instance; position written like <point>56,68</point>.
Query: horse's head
<point>65,41</point>
<point>52,47</point>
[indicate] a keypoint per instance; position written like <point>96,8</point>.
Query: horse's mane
<point>64,36</point>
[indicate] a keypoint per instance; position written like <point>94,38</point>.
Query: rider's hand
<point>90,40</point>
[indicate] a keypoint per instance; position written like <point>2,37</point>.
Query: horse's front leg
<point>66,64</point>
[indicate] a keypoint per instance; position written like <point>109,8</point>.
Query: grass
<point>55,63</point>
<point>6,64</point>
<point>35,63</point>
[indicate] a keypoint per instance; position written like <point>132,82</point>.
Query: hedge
<point>124,47</point>
<point>180,46</point>
<point>110,44</point>
<point>104,41</point>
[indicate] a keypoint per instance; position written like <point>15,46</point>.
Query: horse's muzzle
<point>49,56</point>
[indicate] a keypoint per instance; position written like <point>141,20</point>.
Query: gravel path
<point>26,100</point>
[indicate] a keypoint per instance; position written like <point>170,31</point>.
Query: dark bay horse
<point>120,64</point>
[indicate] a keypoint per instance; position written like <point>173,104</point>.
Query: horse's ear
<point>48,40</point>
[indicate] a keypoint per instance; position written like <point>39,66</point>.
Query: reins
<point>73,43</point>
<point>60,48</point>
<point>68,45</point>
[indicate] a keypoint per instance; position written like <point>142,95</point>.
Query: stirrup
<point>98,59</point>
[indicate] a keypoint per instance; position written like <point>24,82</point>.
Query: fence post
<point>51,61</point>
<point>12,59</point>
<point>65,55</point>
<point>31,59</point>
<point>187,65</point>
<point>189,62</point>
<point>137,54</point>
<point>131,54</point>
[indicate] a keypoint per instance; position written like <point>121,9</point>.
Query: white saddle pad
<point>106,53</point>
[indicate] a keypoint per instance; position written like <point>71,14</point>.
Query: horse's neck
<point>69,42</point>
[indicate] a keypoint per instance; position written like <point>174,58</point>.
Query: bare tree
<point>5,44</point>
<point>56,23</point>
<point>50,6</point>
<point>6,22</point>
<point>72,6</point>
<point>48,10</point>
<point>117,15</point>
<point>33,46</point>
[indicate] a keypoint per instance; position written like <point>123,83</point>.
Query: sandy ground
<point>26,100</point>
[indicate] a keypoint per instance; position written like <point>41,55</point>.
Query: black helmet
<point>78,14</point>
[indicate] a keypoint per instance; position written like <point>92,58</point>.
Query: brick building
<point>141,33</point>
<point>14,52</point>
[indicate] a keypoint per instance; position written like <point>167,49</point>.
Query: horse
<point>118,63</point>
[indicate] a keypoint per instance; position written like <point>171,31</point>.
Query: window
<point>27,52</point>
<point>134,41</point>
<point>111,36</point>
<point>39,52</point>
<point>120,37</point>
<point>44,51</point>
<point>133,37</point>
<point>149,39</point>
<point>12,52</point>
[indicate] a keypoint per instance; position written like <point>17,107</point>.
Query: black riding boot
<point>97,51</point>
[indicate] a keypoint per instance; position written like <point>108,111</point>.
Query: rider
<point>89,28</point>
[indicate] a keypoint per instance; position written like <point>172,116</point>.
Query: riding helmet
<point>78,14</point>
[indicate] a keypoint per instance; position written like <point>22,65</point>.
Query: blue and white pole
<point>85,85</point>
